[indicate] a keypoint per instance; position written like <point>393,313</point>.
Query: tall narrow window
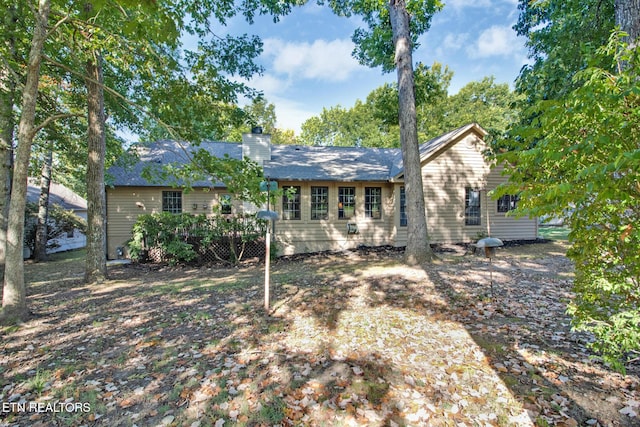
<point>291,202</point>
<point>346,202</point>
<point>471,207</point>
<point>403,207</point>
<point>172,201</point>
<point>373,202</point>
<point>508,202</point>
<point>319,202</point>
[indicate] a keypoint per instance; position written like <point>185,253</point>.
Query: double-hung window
<point>291,202</point>
<point>508,202</point>
<point>471,206</point>
<point>225,204</point>
<point>373,202</point>
<point>319,202</point>
<point>172,201</point>
<point>346,202</point>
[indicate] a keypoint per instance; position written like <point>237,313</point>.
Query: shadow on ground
<point>353,339</point>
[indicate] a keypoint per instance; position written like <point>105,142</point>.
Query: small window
<point>508,202</point>
<point>319,202</point>
<point>346,202</point>
<point>225,204</point>
<point>472,207</point>
<point>373,202</point>
<point>172,201</point>
<point>403,207</point>
<point>291,203</point>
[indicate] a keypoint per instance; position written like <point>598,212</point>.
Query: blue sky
<point>308,63</point>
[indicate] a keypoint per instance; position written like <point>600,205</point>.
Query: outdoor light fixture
<point>490,244</point>
<point>195,206</point>
<point>205,207</point>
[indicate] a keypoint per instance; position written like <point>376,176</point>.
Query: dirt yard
<point>355,338</point>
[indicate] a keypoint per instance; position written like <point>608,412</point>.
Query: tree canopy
<point>374,123</point>
<point>115,65</point>
<point>575,154</point>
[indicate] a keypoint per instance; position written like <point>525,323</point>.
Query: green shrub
<point>183,238</point>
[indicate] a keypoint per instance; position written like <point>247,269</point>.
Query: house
<point>68,200</point>
<point>344,196</point>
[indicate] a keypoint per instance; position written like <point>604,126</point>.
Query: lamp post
<point>271,216</point>
<point>490,244</point>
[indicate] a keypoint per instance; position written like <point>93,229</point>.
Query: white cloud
<point>496,41</point>
<point>320,60</point>
<point>268,83</point>
<point>454,41</point>
<point>291,114</point>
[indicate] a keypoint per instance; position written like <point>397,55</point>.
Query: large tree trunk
<point>96,260</point>
<point>14,302</point>
<point>628,18</point>
<point>418,249</point>
<point>40,253</point>
<point>7,125</point>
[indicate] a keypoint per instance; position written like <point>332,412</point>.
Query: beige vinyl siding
<point>459,165</point>
<point>445,177</point>
<point>307,235</point>
<point>504,226</point>
<point>125,204</point>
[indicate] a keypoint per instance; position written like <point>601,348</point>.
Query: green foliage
<point>60,222</point>
<point>374,123</point>
<point>580,159</point>
<point>374,45</point>
<point>182,238</point>
<point>557,33</point>
<point>260,113</point>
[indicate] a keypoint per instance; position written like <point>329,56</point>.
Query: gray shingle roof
<point>288,162</point>
<point>164,152</point>
<point>304,163</point>
<point>58,195</point>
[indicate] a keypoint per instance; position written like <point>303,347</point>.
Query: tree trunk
<point>628,18</point>
<point>14,302</point>
<point>7,125</point>
<point>43,208</point>
<point>418,249</point>
<point>96,260</point>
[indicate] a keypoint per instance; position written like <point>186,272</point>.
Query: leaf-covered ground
<point>353,339</point>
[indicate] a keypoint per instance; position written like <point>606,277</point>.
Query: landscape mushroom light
<point>490,244</point>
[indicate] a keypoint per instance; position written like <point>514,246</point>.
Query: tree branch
<point>51,119</point>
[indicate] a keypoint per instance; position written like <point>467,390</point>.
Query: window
<point>319,202</point>
<point>508,203</point>
<point>225,204</point>
<point>403,207</point>
<point>172,201</point>
<point>291,203</point>
<point>372,202</point>
<point>346,202</point>
<point>471,207</point>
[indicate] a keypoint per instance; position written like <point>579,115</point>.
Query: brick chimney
<point>256,145</point>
